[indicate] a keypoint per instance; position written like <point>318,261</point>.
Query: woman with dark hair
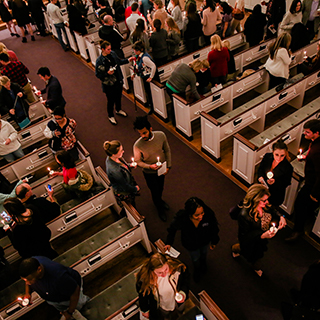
<point>254,26</point>
<point>293,16</point>
<point>60,131</point>
<point>226,19</point>
<point>310,64</point>
<point>28,234</point>
<point>210,17</point>
<point>299,37</point>
<point>119,172</point>
<point>275,171</point>
<point>73,180</point>
<point>158,43</point>
<point>163,287</point>
<point>279,60</point>
<point>192,27</point>
<point>255,228</point>
<point>140,34</point>
<point>199,230</point>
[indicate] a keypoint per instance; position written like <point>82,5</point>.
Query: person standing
<point>109,72</point>
<point>158,43</point>
<point>310,17</point>
<point>148,150</point>
<point>56,16</point>
<point>292,17</point>
<point>53,90</point>
<point>199,230</point>
<point>238,14</point>
<point>36,8</point>
<point>308,197</point>
<point>6,17</point>
<point>210,16</point>
<point>60,286</point>
<point>135,15</point>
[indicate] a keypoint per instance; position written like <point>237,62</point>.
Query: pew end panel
<point>82,46</point>
<point>160,99</point>
<point>291,193</point>
<point>209,308</point>
<point>138,88</point>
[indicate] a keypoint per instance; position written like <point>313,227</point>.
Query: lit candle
<point>269,175</point>
<point>133,163</point>
<point>50,171</point>
<point>178,297</point>
<point>24,301</point>
<point>273,228</point>
<point>158,162</point>
<point>305,55</point>
<point>300,156</point>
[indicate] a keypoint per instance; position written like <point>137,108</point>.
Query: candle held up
<point>158,162</point>
<point>273,228</point>
<point>300,156</point>
<point>269,175</point>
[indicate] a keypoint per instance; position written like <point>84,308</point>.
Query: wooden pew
<point>252,113</point>
<point>248,153</point>
<point>88,258</point>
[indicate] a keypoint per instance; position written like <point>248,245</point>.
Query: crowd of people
<point>259,216</point>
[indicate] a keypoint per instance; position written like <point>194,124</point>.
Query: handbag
<point>237,15</point>
<point>110,80</point>
<point>26,121</point>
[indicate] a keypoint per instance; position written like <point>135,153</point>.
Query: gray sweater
<point>183,76</point>
<point>146,152</point>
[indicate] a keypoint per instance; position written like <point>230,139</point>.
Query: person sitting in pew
<point>60,131</point>
<point>12,101</point>
<point>53,90</point>
<point>310,64</point>
<point>75,181</point>
<point>279,60</point>
<point>47,206</point>
<point>60,286</point>
<point>10,147</point>
<point>275,172</point>
<point>163,287</point>
<point>28,234</point>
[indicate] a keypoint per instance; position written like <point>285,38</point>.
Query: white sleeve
<point>150,64</point>
<point>47,133</point>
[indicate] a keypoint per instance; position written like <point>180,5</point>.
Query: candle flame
<point>273,224</point>
<point>20,299</point>
<point>132,159</point>
<point>48,169</point>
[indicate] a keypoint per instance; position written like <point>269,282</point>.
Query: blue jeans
<point>14,155</point>
<point>59,27</point>
<point>63,305</point>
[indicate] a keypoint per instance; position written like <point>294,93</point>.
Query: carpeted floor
<point>231,283</point>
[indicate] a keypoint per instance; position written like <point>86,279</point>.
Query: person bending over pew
<point>119,172</point>
<point>199,230</point>
<point>163,287</point>
<point>254,222</point>
<point>278,164</point>
<point>60,286</point>
<point>28,233</point>
<point>10,147</point>
<point>47,206</point>
<point>279,60</point>
<point>60,131</point>
<point>75,181</point>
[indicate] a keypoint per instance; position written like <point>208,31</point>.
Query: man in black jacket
<point>308,197</point>
<point>53,89</point>
<point>49,209</point>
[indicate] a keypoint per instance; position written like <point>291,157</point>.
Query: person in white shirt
<point>131,21</point>
<point>58,22</point>
<point>279,60</point>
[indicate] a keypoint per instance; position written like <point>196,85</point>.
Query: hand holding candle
<point>300,156</point>
<point>133,163</point>
<point>50,171</point>
<point>273,228</point>
<point>305,55</point>
<point>158,162</point>
<point>179,297</point>
<point>269,175</point>
<point>24,302</point>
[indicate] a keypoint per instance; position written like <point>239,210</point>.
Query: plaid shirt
<point>16,71</point>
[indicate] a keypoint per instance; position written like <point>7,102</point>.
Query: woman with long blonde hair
<point>255,221</point>
<point>162,285</point>
<point>218,58</point>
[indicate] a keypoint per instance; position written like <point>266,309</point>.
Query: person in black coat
<point>299,37</point>
<point>254,26</point>
<point>254,222</point>
<point>275,12</point>
<point>199,230</point>
<point>36,8</point>
<point>76,21</point>
<point>277,164</point>
<point>53,89</point>
<point>12,100</point>
<point>28,234</point>
<point>162,275</point>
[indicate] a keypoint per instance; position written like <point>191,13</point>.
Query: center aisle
<point>237,290</point>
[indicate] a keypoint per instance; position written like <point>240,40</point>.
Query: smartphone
<point>49,187</point>
<point>6,217</point>
<point>199,317</point>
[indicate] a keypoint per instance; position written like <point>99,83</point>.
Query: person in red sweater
<point>218,58</point>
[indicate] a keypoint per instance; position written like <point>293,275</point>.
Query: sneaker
<point>121,113</point>
<point>113,120</point>
<point>33,38</point>
<point>24,39</point>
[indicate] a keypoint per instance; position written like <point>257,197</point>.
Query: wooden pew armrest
<point>210,118</point>
<point>158,84</point>
<point>184,101</point>
<point>245,141</point>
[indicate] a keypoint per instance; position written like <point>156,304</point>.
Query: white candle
<point>299,156</point>
<point>133,163</point>
<point>269,175</point>
<point>24,301</point>
<point>178,297</point>
<point>158,162</point>
<point>273,228</point>
<point>305,54</point>
<point>50,171</point>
